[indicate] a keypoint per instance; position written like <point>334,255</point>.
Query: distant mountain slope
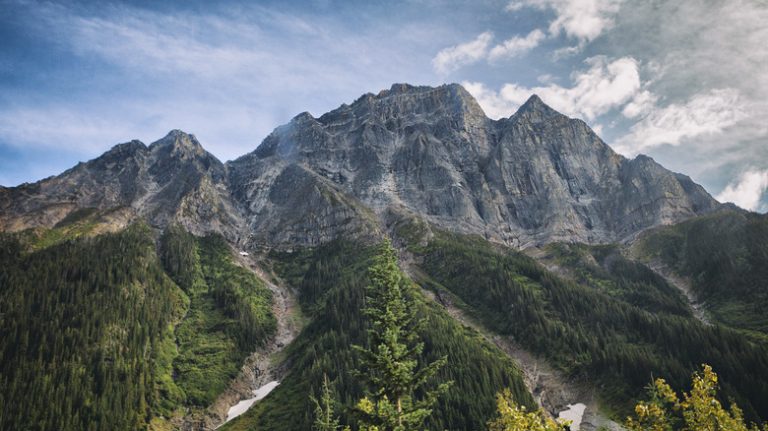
<point>725,257</point>
<point>615,328</point>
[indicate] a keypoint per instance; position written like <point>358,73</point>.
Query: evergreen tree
<point>390,365</point>
<point>325,419</point>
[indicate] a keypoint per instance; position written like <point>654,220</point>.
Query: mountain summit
<point>430,152</point>
<point>409,151</point>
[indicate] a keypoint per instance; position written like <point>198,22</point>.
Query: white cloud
<point>602,87</point>
<point>641,104</point>
<point>494,105</point>
<point>584,20</point>
<point>515,6</point>
<point>546,78</point>
<point>702,115</point>
<point>57,127</point>
<point>747,190</point>
<point>516,45</point>
<point>565,52</point>
<point>454,57</point>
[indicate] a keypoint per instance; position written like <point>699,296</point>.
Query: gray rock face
<point>532,178</point>
<point>172,180</point>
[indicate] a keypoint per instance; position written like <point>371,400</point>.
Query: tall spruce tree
<point>390,365</point>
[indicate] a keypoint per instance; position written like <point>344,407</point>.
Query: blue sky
<point>685,82</point>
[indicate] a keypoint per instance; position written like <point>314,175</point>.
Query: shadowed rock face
<point>531,178</point>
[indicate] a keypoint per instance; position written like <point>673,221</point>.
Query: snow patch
<point>244,405</point>
<point>574,413</point>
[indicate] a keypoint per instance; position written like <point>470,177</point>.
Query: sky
<point>684,81</point>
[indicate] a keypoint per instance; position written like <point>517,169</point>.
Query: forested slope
<point>725,255</point>
<point>616,329</point>
<point>96,335</point>
<point>83,327</point>
<point>331,281</point>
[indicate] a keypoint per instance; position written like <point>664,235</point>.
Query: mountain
<point>542,261</point>
<point>171,180</point>
<point>532,178</point>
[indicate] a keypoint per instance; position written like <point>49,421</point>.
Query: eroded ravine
<point>263,369</point>
<point>683,285</point>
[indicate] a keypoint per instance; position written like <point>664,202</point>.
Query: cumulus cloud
<point>704,114</point>
<point>603,86</point>
<point>747,190</point>
<point>454,57</point>
<point>583,20</point>
<point>516,45</point>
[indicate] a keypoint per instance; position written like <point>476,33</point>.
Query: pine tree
<point>325,419</point>
<point>391,364</point>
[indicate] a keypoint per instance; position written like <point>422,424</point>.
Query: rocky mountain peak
<point>536,111</point>
<point>409,102</point>
<point>179,143</point>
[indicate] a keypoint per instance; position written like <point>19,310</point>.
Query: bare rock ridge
<point>429,152</point>
<point>172,180</point>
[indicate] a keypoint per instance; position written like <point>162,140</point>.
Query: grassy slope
<point>331,280</point>
<point>726,257</point>
<point>600,329</point>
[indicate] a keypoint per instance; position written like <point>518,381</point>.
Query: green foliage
<point>726,256</point>
<point>512,417</point>
<point>325,418</point>
<point>331,282</point>
<point>588,332</point>
<point>96,336</point>
<point>698,409</point>
<point>84,328</point>
<point>390,365</point>
<point>229,314</point>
